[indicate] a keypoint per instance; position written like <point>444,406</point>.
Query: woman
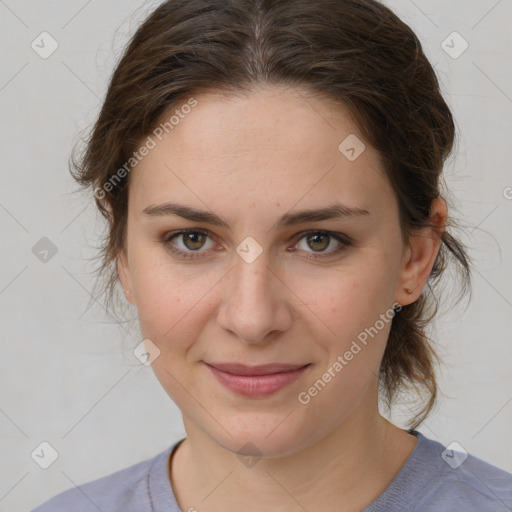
<point>270,172</point>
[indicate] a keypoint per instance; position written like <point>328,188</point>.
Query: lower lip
<point>257,385</point>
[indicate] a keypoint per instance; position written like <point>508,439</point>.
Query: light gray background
<point>69,378</point>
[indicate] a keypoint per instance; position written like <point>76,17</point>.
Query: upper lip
<point>262,369</point>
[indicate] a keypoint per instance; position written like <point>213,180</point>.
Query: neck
<point>343,471</point>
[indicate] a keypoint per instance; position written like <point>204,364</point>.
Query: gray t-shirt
<point>433,479</point>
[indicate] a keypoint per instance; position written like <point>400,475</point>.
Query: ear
<point>123,271</point>
<point>420,254</point>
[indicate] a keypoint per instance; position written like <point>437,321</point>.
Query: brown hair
<point>355,52</point>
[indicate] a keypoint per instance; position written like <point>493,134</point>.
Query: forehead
<point>275,144</point>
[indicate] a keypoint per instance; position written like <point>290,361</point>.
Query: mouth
<point>256,381</point>
<point>261,369</point>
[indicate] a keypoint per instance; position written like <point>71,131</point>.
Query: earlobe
<point>421,254</point>
<point>124,275</point>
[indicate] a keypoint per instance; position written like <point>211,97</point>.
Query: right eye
<point>192,240</point>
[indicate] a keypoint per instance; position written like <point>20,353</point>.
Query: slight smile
<point>259,380</point>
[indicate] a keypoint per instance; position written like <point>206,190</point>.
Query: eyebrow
<point>334,211</point>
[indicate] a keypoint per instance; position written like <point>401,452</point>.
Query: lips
<point>263,369</point>
<point>256,381</point>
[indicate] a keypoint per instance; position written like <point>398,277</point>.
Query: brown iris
<point>315,238</point>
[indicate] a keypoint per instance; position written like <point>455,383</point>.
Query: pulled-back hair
<point>355,52</point>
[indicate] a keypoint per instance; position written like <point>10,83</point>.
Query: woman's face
<point>258,289</point>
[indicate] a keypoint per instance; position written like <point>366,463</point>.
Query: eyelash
<point>344,240</point>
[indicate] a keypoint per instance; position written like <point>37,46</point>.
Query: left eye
<point>321,240</point>
<point>194,239</point>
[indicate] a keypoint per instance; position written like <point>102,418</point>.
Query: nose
<point>255,302</point>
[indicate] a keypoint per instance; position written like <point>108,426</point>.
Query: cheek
<point>172,300</point>
<point>350,298</point>
<point>165,307</point>
<point>333,305</point>
<point>358,311</point>
<point>355,304</point>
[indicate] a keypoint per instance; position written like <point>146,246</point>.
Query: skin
<point>250,159</point>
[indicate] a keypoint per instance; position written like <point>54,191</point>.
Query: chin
<point>254,437</point>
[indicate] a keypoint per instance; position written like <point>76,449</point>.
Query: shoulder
<point>126,490</point>
<point>460,481</point>
<point>471,482</point>
<point>447,478</point>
